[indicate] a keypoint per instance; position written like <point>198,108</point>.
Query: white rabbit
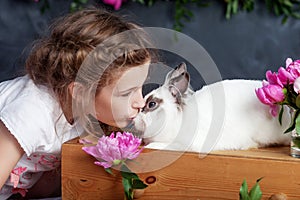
<point>225,115</point>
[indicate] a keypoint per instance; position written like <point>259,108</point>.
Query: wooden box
<point>218,175</point>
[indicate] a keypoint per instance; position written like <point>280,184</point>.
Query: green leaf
<point>298,101</point>
<point>124,168</point>
<point>296,141</point>
<point>286,11</point>
<point>130,182</point>
<point>150,3</point>
<point>140,1</point>
<point>126,184</point>
<point>126,173</point>
<point>138,184</point>
<point>235,6</point>
<point>255,192</point>
<point>244,191</point>
<point>287,3</point>
<point>45,6</point>
<point>129,175</point>
<point>280,115</point>
<point>108,170</point>
<point>297,121</point>
<point>189,14</point>
<point>296,15</point>
<point>127,188</point>
<point>228,10</point>
<point>83,1</point>
<point>293,123</point>
<point>276,10</point>
<point>292,127</point>
<point>269,4</point>
<point>248,5</point>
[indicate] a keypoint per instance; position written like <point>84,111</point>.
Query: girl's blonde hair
<point>58,59</point>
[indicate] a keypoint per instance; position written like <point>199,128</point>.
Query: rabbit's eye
<point>151,104</point>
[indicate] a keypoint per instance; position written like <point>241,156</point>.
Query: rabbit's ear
<point>178,80</point>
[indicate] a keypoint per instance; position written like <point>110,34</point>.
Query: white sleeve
<point>28,120</point>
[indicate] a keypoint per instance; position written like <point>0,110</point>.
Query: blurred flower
<point>115,3</point>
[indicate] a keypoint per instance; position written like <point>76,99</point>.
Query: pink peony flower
<point>293,67</point>
<point>285,76</point>
<point>270,94</point>
<point>116,3</point>
<point>288,61</point>
<point>273,78</point>
<point>280,89</point>
<point>292,64</point>
<point>111,150</point>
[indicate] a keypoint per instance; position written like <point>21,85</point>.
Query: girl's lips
<point>130,120</point>
<point>132,117</point>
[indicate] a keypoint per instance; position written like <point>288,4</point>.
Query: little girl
<point>85,71</point>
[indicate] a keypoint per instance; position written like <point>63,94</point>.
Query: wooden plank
<point>184,176</point>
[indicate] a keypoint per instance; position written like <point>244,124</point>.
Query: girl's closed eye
<point>128,92</point>
<point>125,94</point>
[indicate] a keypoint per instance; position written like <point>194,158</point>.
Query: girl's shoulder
<point>20,87</point>
<point>30,112</point>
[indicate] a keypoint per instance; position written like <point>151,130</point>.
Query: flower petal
<point>103,164</point>
<point>92,150</point>
<point>297,85</point>
<point>113,150</point>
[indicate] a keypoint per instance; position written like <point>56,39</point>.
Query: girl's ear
<point>70,89</point>
<point>76,90</point>
<point>77,93</point>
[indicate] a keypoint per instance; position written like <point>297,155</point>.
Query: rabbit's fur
<point>225,115</point>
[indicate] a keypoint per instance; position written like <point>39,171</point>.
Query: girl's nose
<point>138,101</point>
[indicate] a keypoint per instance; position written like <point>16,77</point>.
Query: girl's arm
<point>10,153</point>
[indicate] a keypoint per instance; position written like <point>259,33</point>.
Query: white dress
<point>34,117</point>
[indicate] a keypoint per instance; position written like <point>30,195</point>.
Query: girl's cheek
<point>121,104</point>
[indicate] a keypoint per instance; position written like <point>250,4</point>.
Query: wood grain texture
<point>188,175</point>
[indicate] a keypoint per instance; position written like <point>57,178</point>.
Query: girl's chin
<point>118,124</point>
<point>122,124</point>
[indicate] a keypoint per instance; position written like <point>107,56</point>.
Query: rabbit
<point>225,115</point>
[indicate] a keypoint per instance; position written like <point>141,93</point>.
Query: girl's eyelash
<point>126,94</point>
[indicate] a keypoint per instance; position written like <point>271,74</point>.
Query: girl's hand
<point>10,153</point>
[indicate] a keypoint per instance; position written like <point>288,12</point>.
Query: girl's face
<point>117,104</point>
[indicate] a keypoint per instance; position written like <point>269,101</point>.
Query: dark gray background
<point>242,47</point>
